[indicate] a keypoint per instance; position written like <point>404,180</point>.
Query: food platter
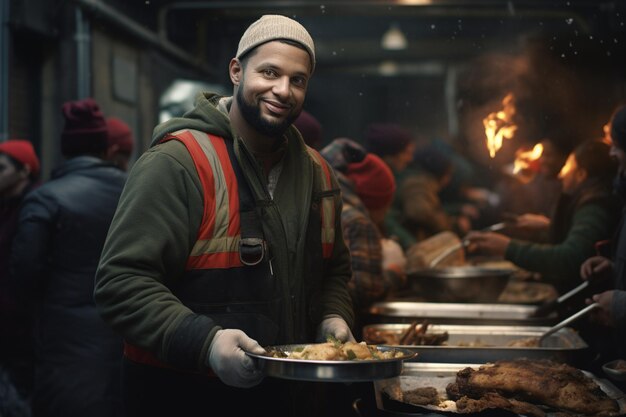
<point>485,343</point>
<point>332,370</point>
<point>389,395</point>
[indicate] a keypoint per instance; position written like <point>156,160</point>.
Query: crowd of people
<point>133,293</point>
<point>58,355</point>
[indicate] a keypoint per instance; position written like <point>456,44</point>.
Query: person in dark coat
<point>586,212</point>
<point>19,174</point>
<point>61,231</point>
<point>310,129</point>
<point>609,320</point>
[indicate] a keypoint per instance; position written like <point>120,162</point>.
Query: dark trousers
<point>152,391</point>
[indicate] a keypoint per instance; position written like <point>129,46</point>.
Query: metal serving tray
<point>482,344</point>
<point>332,371</point>
<point>458,313</point>
<point>439,375</point>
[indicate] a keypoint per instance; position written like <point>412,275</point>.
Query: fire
<point>607,134</point>
<point>499,125</point>
<point>569,165</point>
<point>527,160</point>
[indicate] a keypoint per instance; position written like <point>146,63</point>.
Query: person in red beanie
<point>120,142</point>
<point>19,174</point>
<point>310,129</point>
<point>368,187</point>
<point>61,231</point>
<point>378,263</point>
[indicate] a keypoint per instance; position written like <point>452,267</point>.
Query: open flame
<point>499,125</point>
<point>569,165</point>
<point>528,160</point>
<point>607,134</point>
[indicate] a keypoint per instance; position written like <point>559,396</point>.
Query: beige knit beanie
<point>272,27</point>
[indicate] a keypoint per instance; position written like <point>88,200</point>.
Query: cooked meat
<point>422,396</point>
<point>320,351</point>
<point>494,400</point>
<point>336,351</point>
<point>544,382</point>
<point>359,350</point>
<point>415,334</point>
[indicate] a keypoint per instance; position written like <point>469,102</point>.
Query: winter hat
<point>23,152</point>
<point>433,161</point>
<point>310,129</point>
<point>85,130</point>
<point>272,27</point>
<point>618,127</point>
<point>373,181</point>
<point>386,139</point>
<point>120,135</point>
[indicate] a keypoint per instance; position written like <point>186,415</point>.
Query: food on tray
<point>536,382</point>
<point>334,350</point>
<point>524,292</point>
<point>422,396</point>
<point>494,400</point>
<point>415,334</point>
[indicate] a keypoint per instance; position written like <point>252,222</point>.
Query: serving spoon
<point>560,325</point>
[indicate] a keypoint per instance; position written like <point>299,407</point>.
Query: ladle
<point>462,244</point>
<point>565,322</point>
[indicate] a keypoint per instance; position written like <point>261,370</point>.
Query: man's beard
<point>251,112</point>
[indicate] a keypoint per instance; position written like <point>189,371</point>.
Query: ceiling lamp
<point>394,39</point>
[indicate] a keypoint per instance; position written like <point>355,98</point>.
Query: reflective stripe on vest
<point>218,238</point>
<point>328,207</point>
<point>217,245</point>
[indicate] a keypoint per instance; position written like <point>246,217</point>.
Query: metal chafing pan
<point>482,344</point>
<point>331,371</point>
<point>439,375</point>
<point>458,313</point>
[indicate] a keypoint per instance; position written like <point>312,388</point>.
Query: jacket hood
<point>210,114</point>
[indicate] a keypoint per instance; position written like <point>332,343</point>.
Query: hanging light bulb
<point>394,39</point>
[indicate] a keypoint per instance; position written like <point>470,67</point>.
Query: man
<point>228,238</point>
<point>19,174</point>
<point>61,231</point>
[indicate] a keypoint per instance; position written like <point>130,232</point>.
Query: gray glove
<point>336,327</point>
<point>229,362</point>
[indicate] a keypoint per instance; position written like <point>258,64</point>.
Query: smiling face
<point>270,87</point>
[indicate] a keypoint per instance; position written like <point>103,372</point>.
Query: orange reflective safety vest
<point>229,274</point>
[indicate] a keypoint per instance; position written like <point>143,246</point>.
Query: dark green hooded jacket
<point>156,225</point>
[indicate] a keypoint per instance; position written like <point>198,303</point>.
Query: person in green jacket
<point>586,212</point>
<point>228,238</point>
